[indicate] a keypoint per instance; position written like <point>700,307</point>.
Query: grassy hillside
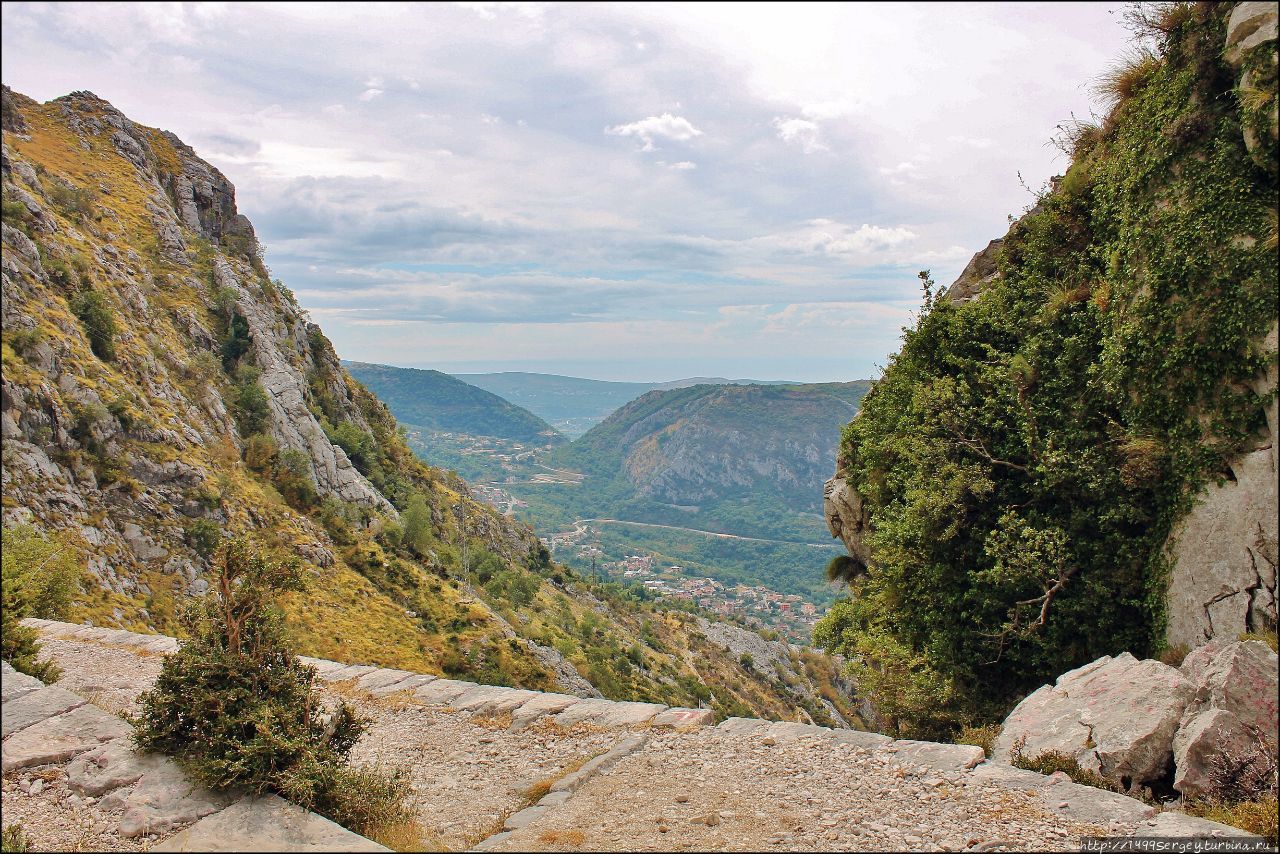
<point>1026,453</point>
<point>436,401</point>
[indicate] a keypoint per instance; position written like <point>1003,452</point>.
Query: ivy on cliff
<point>1025,454</point>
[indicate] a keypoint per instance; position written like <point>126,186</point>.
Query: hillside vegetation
<point>436,401</point>
<point>162,393</point>
<point>1026,453</point>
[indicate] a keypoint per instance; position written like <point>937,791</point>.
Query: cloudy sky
<point>636,192</point>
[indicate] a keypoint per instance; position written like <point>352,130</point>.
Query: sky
<point>616,191</point>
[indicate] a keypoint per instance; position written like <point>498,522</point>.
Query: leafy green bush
<point>1025,455</point>
<point>77,202</point>
<point>18,215</point>
<point>40,575</point>
<point>14,839</point>
<point>204,535</point>
<point>251,405</point>
<point>237,708</point>
<point>99,322</point>
<point>293,478</point>
<point>1053,761</point>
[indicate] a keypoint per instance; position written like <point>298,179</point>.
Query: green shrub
<point>236,342</point>
<point>18,215</point>
<point>40,576</point>
<point>251,405</point>
<point>14,839</point>
<point>1052,761</point>
<point>76,202</point>
<point>99,322</point>
<point>204,535</point>
<point>979,736</point>
<point>237,708</point>
<point>293,478</point>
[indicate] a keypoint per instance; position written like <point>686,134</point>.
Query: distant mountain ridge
<point>573,405</point>
<point>437,401</point>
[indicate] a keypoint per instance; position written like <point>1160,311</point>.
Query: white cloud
<point>801,132</point>
<point>666,126</point>
<point>682,166</point>
<point>370,94</point>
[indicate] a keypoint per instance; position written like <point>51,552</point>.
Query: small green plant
<point>1052,761</point>
<point>40,576</point>
<point>204,535</point>
<point>18,215</point>
<point>251,406</point>
<point>236,707</point>
<point>95,314</point>
<point>76,202</point>
<point>14,839</point>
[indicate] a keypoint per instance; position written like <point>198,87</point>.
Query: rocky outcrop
<point>981,271</point>
<point>1144,723</point>
<point>847,517</point>
<point>1252,28</point>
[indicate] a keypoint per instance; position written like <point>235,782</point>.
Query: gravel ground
<point>703,791</point>
<point>56,819</point>
<point>110,677</point>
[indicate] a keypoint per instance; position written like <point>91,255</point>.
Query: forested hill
<point>437,401</point>
<point>1074,452</point>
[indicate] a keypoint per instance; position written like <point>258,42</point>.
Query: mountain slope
<point>438,401</point>
<point>708,444</point>
<point>161,392</point>
<point>572,404</point>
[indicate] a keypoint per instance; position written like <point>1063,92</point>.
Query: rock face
<point>1146,723</point>
<point>977,274</point>
<point>1116,716</point>
<point>847,519</point>
<point>1224,552</point>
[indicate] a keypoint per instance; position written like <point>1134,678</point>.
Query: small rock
<point>1063,805</point>
<point>768,740</point>
<point>25,786</point>
<point>711,819</point>
<point>682,799</point>
<point>37,786</point>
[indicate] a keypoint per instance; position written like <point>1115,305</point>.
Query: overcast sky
<point>638,192</point>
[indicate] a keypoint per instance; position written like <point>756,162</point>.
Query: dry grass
<point>1127,78</point>
<point>1174,655</point>
<point>1258,816</point>
<point>502,720</point>
<point>407,836</point>
<point>397,702</point>
<point>562,837</point>
<point>979,736</point>
<point>1269,638</point>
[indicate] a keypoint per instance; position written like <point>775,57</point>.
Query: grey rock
<point>164,799</point>
<point>1224,552</point>
<point>267,823</point>
<point>112,766</point>
<point>980,272</point>
<point>1170,823</point>
<point>1203,740</point>
<point>61,737</point>
<point>540,706</point>
<point>1251,24</point>
<point>34,707</point>
<point>677,718</point>
<point>940,757</point>
<point>1116,716</point>
<point>441,691</point>
<point>351,671</point>
<point>14,684</point>
<point>381,677</point>
<point>407,684</point>
<point>524,817</point>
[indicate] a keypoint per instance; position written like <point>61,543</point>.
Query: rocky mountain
<point>161,391</point>
<point>1074,453</point>
<point>706,445</point>
<point>574,405</point>
<point>436,401</point>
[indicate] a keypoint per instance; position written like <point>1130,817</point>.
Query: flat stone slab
<point>267,823</point>
<point>351,671</point>
<point>581,711</point>
<point>684,717</point>
<point>321,665</point>
<point>163,799</point>
<point>525,817</point>
<point>571,782</point>
<point>939,757</point>
<point>476,697</point>
<point>380,677</point>
<point>14,684</point>
<point>508,700</point>
<point>1092,805</point>
<point>409,684</point>
<point>36,706</point>
<point>112,766</point>
<point>743,726</point>
<point>441,691</point>
<point>1171,823</point>
<point>539,706</point>
<point>59,738</point>
<point>859,738</point>
<point>627,714</point>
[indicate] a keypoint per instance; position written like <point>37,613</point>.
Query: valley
<point>715,480</point>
